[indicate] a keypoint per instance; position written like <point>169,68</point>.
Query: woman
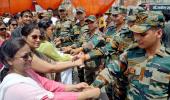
<point>13,24</point>
<point>3,35</point>
<point>16,55</point>
<point>33,37</point>
<point>3,32</point>
<point>48,49</point>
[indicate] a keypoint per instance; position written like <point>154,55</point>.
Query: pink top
<point>23,91</point>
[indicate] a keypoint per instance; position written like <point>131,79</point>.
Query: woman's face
<point>22,60</point>
<point>3,30</point>
<point>50,31</point>
<point>13,25</point>
<point>34,39</point>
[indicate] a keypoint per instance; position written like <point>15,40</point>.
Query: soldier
<point>80,30</point>
<point>64,29</point>
<point>93,40</point>
<point>110,27</point>
<point>145,66</point>
<point>81,27</point>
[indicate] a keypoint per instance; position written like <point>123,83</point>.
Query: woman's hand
<point>82,86</point>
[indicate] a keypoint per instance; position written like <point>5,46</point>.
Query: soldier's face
<point>148,39</point>
<point>62,13</point>
<point>92,25</point>
<point>119,19</point>
<point>80,16</point>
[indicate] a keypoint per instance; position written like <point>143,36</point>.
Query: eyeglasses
<point>2,29</point>
<point>26,56</point>
<point>35,37</point>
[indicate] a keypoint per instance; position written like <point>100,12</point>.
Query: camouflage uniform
<point>92,42</point>
<point>80,31</point>
<point>64,30</point>
<point>92,66</point>
<point>149,78</point>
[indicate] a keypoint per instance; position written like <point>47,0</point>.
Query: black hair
<point>44,24</point>
<point>166,15</point>
<point>2,23</point>
<point>17,16</point>
<point>11,20</point>
<point>26,11</point>
<point>28,28</point>
<point>7,51</point>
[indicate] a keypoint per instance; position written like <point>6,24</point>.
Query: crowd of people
<point>122,54</point>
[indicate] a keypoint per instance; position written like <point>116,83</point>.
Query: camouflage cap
<point>109,11</point>
<point>80,9</point>
<point>131,18</point>
<point>145,20</point>
<point>119,10</point>
<point>91,18</point>
<point>135,10</point>
<point>61,7</point>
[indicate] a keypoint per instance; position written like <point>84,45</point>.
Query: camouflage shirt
<point>64,30</point>
<point>149,79</point>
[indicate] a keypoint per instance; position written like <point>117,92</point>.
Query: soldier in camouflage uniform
<point>146,66</point>
<point>94,40</point>
<point>64,29</point>
<point>110,27</point>
<point>81,27</point>
<point>80,30</point>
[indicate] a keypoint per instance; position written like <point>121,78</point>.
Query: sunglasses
<point>14,24</point>
<point>26,56</point>
<point>2,29</point>
<point>79,13</point>
<point>35,37</point>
